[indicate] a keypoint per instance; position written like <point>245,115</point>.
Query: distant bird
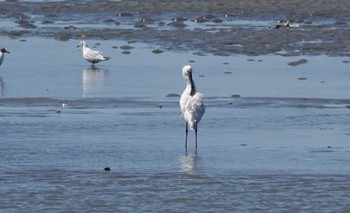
<point>92,56</point>
<point>287,24</point>
<point>191,103</point>
<point>283,24</point>
<point>2,54</point>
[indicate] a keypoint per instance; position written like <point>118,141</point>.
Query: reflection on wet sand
<point>93,81</point>
<point>189,163</point>
<point>2,87</point>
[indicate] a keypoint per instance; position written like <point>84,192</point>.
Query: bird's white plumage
<point>191,101</point>
<point>92,56</point>
<point>194,110</point>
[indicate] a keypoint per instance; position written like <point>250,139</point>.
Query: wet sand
<point>206,26</point>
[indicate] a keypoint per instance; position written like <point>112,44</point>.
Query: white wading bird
<point>2,54</point>
<point>191,103</point>
<point>92,56</point>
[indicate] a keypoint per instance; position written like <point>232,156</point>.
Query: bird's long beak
<point>7,51</point>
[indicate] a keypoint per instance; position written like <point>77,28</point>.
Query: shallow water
<point>68,75</point>
<point>274,137</point>
<point>250,158</point>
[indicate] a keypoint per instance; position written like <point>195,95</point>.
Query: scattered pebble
<point>107,169</point>
<point>47,22</point>
<point>178,24</point>
<point>126,52</point>
<point>228,72</point>
<point>235,96</point>
<point>296,63</point>
<point>302,78</point>
<point>157,51</point>
<point>126,47</point>
<point>346,61</point>
<point>172,95</point>
<point>191,61</point>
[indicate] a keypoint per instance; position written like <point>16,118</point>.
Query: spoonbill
<point>191,103</point>
<point>92,56</point>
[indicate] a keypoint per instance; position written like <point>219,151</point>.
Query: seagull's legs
<point>186,136</point>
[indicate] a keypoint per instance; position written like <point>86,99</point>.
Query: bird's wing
<point>195,110</point>
<point>93,55</point>
<point>183,102</point>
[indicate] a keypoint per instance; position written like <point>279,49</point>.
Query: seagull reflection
<point>93,81</point>
<point>189,163</point>
<point>2,87</point>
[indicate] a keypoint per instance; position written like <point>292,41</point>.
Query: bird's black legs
<point>196,130</point>
<point>196,137</point>
<point>186,136</point>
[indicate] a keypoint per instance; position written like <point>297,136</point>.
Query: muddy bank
<point>204,27</point>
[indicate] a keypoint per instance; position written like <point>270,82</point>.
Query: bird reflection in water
<point>189,163</point>
<point>93,81</point>
<point>2,87</point>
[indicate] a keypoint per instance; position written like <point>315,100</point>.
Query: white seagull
<point>191,103</point>
<point>2,54</point>
<point>92,56</point>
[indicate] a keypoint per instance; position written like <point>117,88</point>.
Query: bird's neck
<point>191,87</point>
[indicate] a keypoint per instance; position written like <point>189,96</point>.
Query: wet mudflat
<point>225,28</point>
<point>274,137</point>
